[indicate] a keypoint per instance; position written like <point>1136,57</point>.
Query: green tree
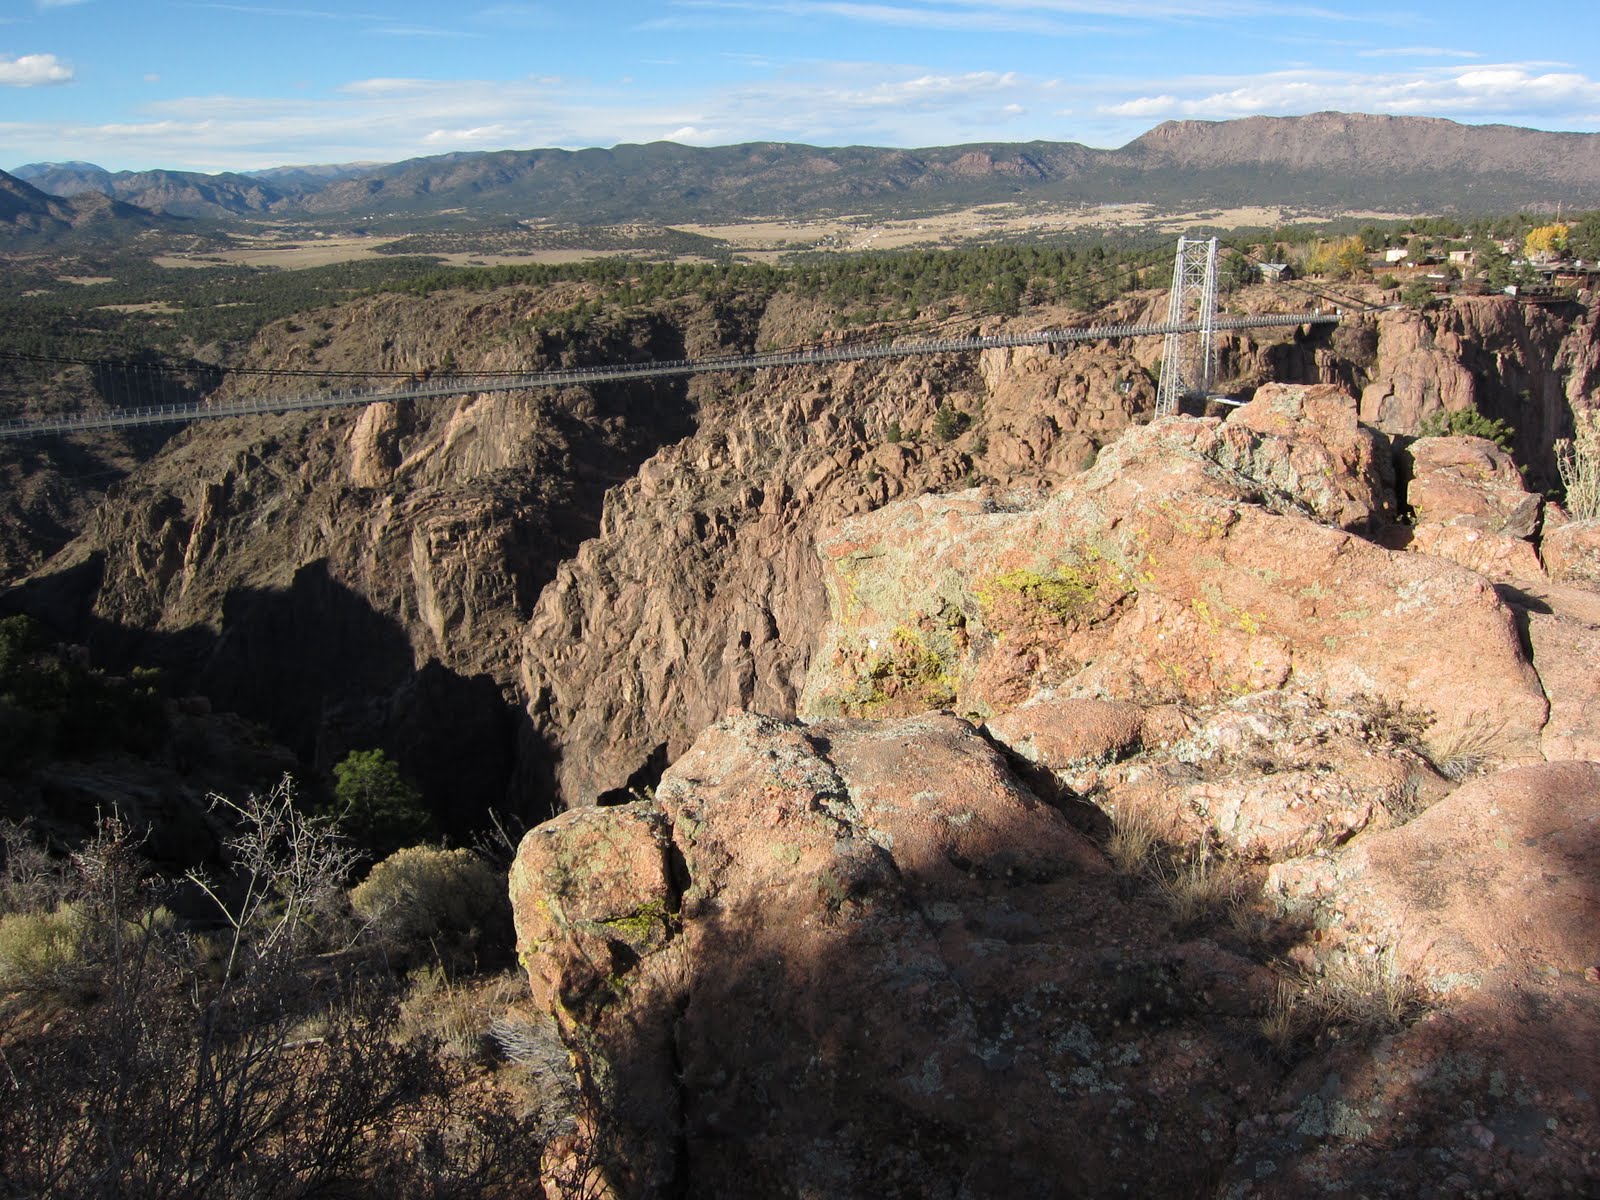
<point>1417,294</point>
<point>1584,238</point>
<point>1237,272</point>
<point>377,806</point>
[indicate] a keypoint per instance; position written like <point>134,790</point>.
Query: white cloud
<point>33,70</point>
<point>478,138</point>
<point>1417,52</point>
<point>515,16</point>
<point>424,31</point>
<point>1512,92</point>
<point>1042,17</point>
<point>691,136</point>
<point>828,103</point>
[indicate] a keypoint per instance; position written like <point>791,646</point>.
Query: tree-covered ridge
<point>988,279</point>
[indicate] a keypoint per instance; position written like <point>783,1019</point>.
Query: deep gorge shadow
<point>325,673</point>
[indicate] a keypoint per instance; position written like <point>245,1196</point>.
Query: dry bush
<point>1578,460</point>
<point>30,880</point>
<point>1135,835</point>
<point>1466,747</point>
<point>250,1064</point>
<point>449,905</point>
<point>1200,885</point>
<point>1365,995</point>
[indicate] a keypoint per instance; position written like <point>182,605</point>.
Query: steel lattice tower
<point>1187,360</point>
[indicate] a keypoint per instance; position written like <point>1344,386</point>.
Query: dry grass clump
<point>1200,885</point>
<point>40,949</point>
<point>1135,835</point>
<point>426,903</point>
<point>1578,460</point>
<point>1466,747</point>
<point>459,1015</point>
<point>1364,995</point>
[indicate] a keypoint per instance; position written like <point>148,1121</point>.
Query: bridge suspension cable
<point>471,384</point>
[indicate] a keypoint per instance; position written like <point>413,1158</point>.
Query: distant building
<point>1271,271</point>
<point>1395,254</point>
<point>1463,258</point>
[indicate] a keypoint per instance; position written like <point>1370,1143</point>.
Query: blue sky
<point>237,84</point>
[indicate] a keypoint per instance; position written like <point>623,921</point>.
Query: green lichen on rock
<point>1067,593</point>
<point>916,671</point>
<point>646,927</point>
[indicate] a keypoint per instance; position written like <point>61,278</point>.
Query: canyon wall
<point>540,599</point>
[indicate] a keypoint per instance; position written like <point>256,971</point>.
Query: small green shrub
<point>423,901</point>
<point>375,805</point>
<point>1417,294</point>
<point>1469,422</point>
<point>949,423</point>
<point>40,949</point>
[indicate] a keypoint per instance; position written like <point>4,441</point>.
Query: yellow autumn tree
<point>1546,241</point>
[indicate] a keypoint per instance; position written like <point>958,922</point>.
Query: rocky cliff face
<point>563,589</point>
<point>1191,868</point>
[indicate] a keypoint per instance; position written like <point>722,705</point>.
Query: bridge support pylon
<point>1188,360</point>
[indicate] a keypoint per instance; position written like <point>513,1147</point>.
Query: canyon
<point>840,699</point>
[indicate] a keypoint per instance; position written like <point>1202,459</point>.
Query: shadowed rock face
<point>852,958</point>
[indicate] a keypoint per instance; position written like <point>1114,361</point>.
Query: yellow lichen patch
<point>907,675</point>
<point>1065,592</point>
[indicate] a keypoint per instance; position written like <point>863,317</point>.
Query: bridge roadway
<point>459,385</point>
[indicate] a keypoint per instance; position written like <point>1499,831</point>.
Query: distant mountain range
<point>26,213</point>
<point>1324,161</point>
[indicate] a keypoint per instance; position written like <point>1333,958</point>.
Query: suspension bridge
<point>1187,366</point>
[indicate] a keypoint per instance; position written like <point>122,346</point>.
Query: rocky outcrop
<point>852,958</point>
<point>1571,552</point>
<point>1205,874</point>
<point>1530,367</point>
<point>1490,899</point>
<point>1469,505</point>
<point>359,578</point>
<point>702,591</point>
<point>1175,569</point>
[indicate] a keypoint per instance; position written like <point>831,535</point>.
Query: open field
<point>291,254</point>
<point>772,239</point>
<point>989,222</point>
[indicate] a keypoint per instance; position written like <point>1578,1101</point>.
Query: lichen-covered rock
<point>1494,880</point>
<point>1490,901</point>
<point>1470,506</point>
<point>1314,448</point>
<point>1272,776</point>
<point>1566,654</point>
<point>1469,481</point>
<point>1165,572</point>
<point>1571,552</point>
<point>1059,732</point>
